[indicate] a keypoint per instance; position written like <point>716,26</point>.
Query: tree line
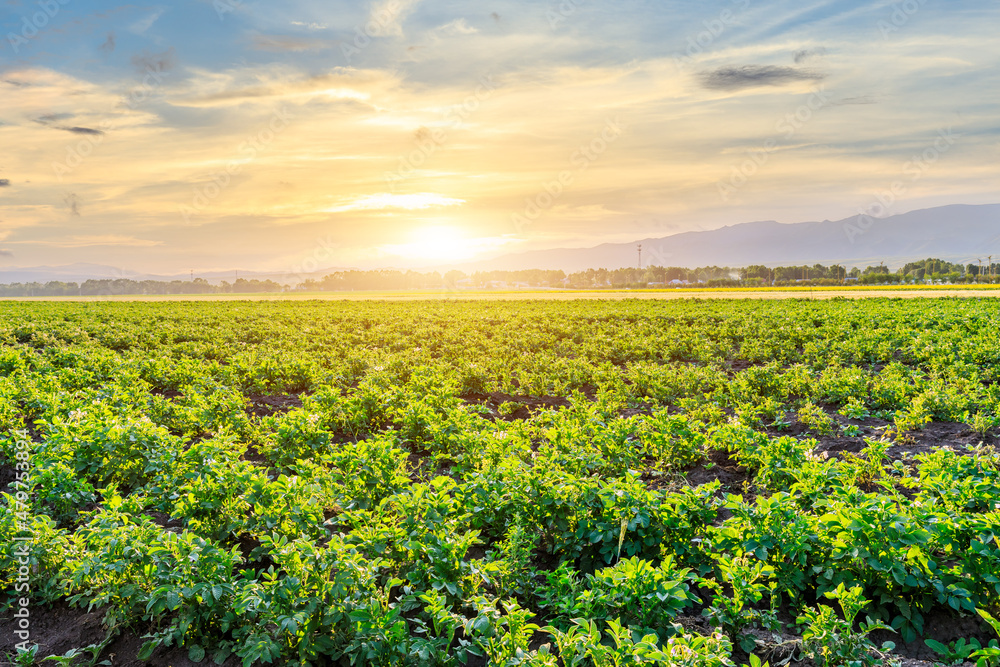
<point>125,286</point>
<point>928,270</point>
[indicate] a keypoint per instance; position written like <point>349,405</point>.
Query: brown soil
<point>527,405</point>
<point>723,468</point>
<point>265,406</point>
<point>942,625</point>
<point>8,473</point>
<point>58,628</point>
<point>165,521</point>
<point>934,436</point>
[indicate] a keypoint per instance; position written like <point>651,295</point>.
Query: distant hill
<point>956,233</point>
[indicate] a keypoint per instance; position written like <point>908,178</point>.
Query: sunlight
<point>443,243</point>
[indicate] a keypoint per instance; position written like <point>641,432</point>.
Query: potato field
<point>608,483</point>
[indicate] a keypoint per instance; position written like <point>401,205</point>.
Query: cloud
<point>413,202</point>
<point>861,99</point>
<point>310,26</point>
<point>97,240</point>
<point>142,25</point>
<point>82,130</point>
<point>286,43</point>
<point>266,85</point>
<point>388,15</point>
<point>806,54</point>
<point>155,62</point>
<point>749,76</point>
<point>4,182</point>
<point>73,202</point>
<point>109,44</point>
<point>50,118</point>
<point>457,27</point>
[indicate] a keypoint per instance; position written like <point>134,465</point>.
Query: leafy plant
<point>982,423</point>
<point>956,652</point>
<point>744,583</point>
<point>990,655</point>
<point>854,409</point>
<point>833,642</point>
<point>816,419</point>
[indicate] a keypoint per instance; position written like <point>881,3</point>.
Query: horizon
<point>413,134</point>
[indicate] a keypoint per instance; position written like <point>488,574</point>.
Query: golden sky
<point>226,134</point>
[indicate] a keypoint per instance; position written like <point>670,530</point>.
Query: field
<point>536,482</point>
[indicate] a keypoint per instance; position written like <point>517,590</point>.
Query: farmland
<point>578,482</point>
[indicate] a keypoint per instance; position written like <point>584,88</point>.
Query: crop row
<point>679,483</point>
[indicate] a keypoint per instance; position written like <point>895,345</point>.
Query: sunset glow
<point>443,244</point>
<point>237,133</point>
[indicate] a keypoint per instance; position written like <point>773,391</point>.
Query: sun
<point>438,242</point>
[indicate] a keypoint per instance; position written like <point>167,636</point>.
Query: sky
<point>219,134</point>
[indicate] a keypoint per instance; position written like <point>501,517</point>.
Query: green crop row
<point>531,483</point>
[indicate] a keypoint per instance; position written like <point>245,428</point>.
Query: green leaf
<point>147,649</point>
<point>937,647</point>
<point>989,619</point>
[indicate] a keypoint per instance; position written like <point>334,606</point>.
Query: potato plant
<point>505,483</point>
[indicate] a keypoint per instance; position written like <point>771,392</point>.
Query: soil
<point>265,406</point>
<point>723,468</point>
<point>942,625</point>
<point>58,628</point>
<point>737,365</point>
<point>166,393</point>
<point>8,473</point>
<point>930,438</point>
<point>527,405</point>
<point>165,521</point>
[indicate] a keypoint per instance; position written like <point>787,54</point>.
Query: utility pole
<point>980,271</point>
<point>639,248</point>
<point>990,259</point>
<point>192,275</point>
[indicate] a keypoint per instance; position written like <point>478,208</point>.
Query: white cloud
<point>310,26</point>
<point>457,27</point>
<point>97,240</point>
<point>142,25</point>
<point>385,200</point>
<point>388,15</point>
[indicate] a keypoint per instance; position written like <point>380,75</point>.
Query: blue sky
<point>216,134</point>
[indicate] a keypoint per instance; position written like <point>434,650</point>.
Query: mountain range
<point>956,233</point>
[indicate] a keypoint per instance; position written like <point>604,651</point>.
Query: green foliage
<point>990,655</point>
<point>584,644</point>
<point>427,483</point>
<point>739,586</point>
<point>832,641</point>
<point>816,420</point>
<point>673,441</point>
